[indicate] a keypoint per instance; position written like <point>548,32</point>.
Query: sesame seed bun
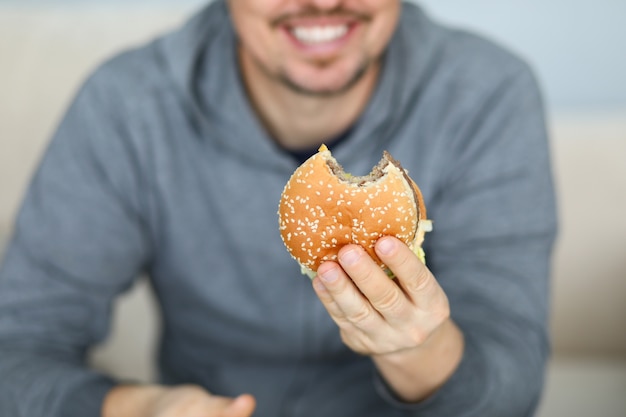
<point>322,209</point>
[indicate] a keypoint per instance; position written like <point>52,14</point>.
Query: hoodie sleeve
<point>494,228</point>
<point>78,242</point>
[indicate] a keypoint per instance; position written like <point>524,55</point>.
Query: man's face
<point>317,47</point>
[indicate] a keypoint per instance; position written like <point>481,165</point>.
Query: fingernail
<point>330,275</point>
<point>386,246</point>
<point>350,257</point>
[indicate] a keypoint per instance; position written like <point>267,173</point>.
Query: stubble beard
<point>282,76</point>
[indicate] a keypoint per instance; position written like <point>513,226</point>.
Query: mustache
<point>312,12</point>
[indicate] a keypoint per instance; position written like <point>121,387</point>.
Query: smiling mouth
<point>314,35</point>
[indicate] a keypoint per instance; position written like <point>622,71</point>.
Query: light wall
<point>575,46</point>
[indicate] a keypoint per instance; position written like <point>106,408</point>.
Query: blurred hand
<point>179,401</point>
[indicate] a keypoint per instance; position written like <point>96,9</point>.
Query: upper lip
<point>317,19</point>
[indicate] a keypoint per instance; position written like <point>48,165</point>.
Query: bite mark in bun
<point>322,209</point>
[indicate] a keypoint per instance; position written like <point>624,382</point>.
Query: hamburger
<point>322,208</point>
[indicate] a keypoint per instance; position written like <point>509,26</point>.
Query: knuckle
<point>359,342</point>
<point>349,339</point>
<point>441,314</point>
<point>422,282</point>
<point>365,275</point>
<point>444,312</point>
<point>390,301</point>
<point>346,338</point>
<point>417,336</point>
<point>361,317</point>
<point>342,321</point>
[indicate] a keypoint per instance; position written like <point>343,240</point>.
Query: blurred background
<point>578,50</point>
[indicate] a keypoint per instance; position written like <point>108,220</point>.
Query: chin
<point>326,81</point>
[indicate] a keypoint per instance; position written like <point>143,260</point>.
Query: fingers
<point>413,276</point>
<point>242,406</point>
<point>359,281</point>
<point>189,401</point>
<point>377,314</point>
<point>342,299</point>
<point>358,287</point>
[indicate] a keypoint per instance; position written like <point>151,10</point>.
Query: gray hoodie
<point>160,166</point>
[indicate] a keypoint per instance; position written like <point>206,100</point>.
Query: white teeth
<point>319,34</point>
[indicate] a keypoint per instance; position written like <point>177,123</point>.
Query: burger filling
<point>376,173</point>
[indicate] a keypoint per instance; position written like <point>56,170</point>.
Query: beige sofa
<point>47,53</point>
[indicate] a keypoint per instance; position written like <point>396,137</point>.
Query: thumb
<point>242,406</point>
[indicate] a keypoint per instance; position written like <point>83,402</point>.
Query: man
<point>171,161</point>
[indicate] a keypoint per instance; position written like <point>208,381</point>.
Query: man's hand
<point>180,401</point>
<point>403,323</point>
